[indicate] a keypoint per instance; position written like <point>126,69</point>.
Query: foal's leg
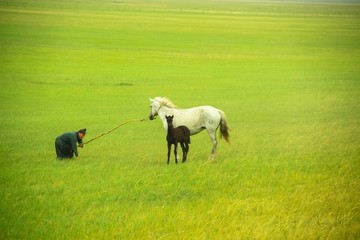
<point>175,152</point>
<point>168,155</point>
<point>187,149</point>
<point>183,147</point>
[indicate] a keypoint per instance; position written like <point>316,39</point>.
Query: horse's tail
<point>224,129</point>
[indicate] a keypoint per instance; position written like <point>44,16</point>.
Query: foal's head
<point>169,119</point>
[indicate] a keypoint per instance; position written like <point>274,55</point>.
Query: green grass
<point>286,74</point>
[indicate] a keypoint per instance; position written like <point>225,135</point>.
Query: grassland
<point>286,74</point>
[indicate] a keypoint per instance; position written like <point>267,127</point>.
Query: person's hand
<point>81,145</point>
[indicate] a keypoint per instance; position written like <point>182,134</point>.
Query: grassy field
<point>287,75</point>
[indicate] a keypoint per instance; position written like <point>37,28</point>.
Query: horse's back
<point>196,118</point>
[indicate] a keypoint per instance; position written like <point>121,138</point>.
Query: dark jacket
<point>69,139</point>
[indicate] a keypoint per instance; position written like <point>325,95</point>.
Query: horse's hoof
<point>212,159</point>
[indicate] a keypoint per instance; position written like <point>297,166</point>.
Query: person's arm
<point>81,144</point>
<point>73,145</point>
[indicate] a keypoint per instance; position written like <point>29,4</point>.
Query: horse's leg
<point>212,134</point>
<point>168,155</point>
<point>175,152</point>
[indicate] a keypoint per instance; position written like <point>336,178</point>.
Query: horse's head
<point>154,107</point>
<point>158,103</point>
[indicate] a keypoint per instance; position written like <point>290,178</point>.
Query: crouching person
<point>66,144</point>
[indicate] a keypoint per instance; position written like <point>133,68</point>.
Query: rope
<point>99,136</point>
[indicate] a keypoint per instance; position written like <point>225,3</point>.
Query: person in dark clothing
<point>65,144</point>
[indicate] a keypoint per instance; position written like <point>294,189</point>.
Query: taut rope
<point>134,120</point>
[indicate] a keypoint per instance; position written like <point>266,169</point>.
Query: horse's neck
<point>163,111</point>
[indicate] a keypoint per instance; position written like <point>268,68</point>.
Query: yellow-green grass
<point>286,74</point>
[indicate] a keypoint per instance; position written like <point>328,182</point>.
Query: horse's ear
<point>172,116</point>
<point>151,100</point>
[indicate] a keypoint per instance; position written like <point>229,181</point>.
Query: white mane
<point>166,102</point>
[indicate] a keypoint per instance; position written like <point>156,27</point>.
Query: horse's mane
<point>166,102</point>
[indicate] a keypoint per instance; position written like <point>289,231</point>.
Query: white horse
<point>196,119</point>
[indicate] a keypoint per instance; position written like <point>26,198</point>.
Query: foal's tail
<point>224,129</point>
